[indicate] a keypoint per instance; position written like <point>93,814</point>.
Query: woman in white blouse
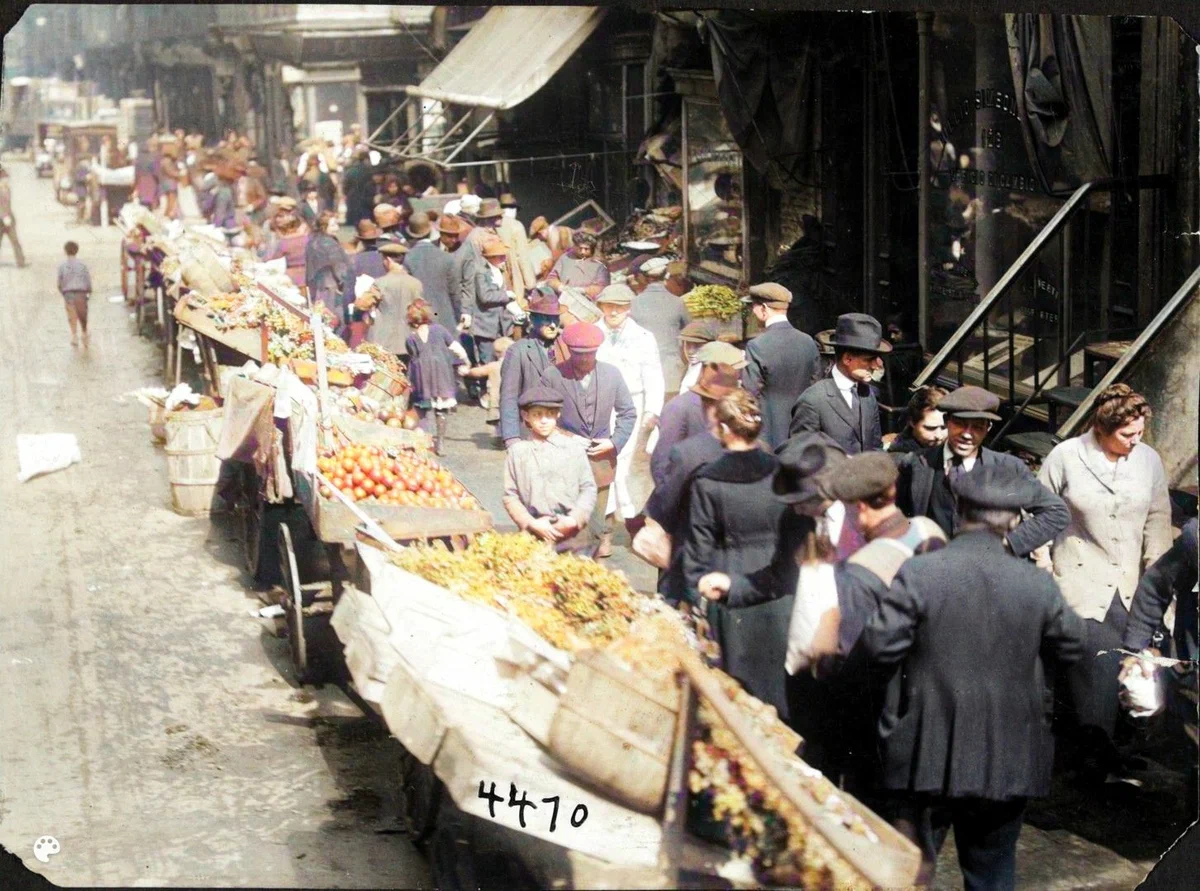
<point>1116,489</point>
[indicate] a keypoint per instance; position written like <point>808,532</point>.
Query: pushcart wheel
<point>293,603</point>
<point>421,793</point>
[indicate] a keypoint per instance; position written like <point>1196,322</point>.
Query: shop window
<point>713,176</point>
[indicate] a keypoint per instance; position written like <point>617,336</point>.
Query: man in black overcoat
<point>781,362</point>
<point>923,488</point>
<point>843,406</point>
<point>965,730</point>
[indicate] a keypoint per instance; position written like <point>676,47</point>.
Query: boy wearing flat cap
<point>549,490</point>
<point>593,394</point>
<point>924,486</point>
<point>843,405</point>
<point>527,359</point>
<point>781,363</point>
<point>965,731</point>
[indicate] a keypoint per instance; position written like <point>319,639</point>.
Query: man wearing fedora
<point>965,728</point>
<point>512,233</point>
<point>843,405</point>
<point>397,290</point>
<point>489,297</point>
<point>388,219</point>
<point>526,360</point>
<point>368,261</point>
<point>926,477</point>
<point>432,267</point>
<point>781,362</point>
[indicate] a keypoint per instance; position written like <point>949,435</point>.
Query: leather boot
<point>604,549</point>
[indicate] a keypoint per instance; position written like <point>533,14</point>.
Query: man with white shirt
<point>634,351</point>
<point>843,406</point>
<point>924,485</point>
<point>781,362</point>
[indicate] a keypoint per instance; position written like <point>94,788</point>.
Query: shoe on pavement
<point>605,547</point>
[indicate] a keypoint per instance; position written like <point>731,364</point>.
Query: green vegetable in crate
<point>712,302</point>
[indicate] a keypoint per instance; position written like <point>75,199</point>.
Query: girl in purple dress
<point>434,357</point>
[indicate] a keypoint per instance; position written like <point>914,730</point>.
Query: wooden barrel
<point>192,463</point>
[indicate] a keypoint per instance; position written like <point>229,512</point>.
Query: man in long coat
<point>843,405</point>
<point>512,233</point>
<point>781,362</point>
<point>924,486</point>
<point>433,268</point>
<point>966,727</point>
<point>659,309</point>
<point>526,360</point>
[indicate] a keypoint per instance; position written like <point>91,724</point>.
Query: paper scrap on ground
<point>269,612</point>
<point>117,298</point>
<point>39,453</point>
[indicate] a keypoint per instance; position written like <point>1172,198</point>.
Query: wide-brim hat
<point>621,295</point>
<point>998,487</point>
<point>489,209</point>
<point>716,382</point>
<point>970,402</point>
<point>544,302</point>
<point>859,331</point>
<point>452,225</point>
<point>366,230</point>
<point>419,225</point>
<point>803,459</point>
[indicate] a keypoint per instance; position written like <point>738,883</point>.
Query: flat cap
<point>582,337</point>
<point>862,476</point>
<point>768,292</point>
<point>619,294</point>
<point>998,487</point>
<point>720,353</point>
<point>970,402</point>
<point>540,396</point>
<point>393,248</point>
<point>654,267</point>
<point>699,331</point>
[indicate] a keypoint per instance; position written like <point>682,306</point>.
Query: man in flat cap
<point>397,290</point>
<point>966,727</point>
<point>684,416</point>
<point>549,490</point>
<point>924,486</point>
<point>594,393</point>
<point>432,267</point>
<point>843,405</point>
<point>781,362</point>
<point>526,359</point>
<point>659,309</point>
<point>632,350</point>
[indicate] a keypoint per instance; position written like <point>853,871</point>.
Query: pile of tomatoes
<point>396,477</point>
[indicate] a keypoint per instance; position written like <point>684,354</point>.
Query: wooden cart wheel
<point>421,793</point>
<point>293,603</point>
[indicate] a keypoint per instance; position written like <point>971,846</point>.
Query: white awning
<point>509,55</point>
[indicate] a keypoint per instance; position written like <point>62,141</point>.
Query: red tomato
<point>376,475</point>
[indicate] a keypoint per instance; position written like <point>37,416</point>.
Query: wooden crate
<point>251,342</point>
<point>615,729</point>
<point>364,433</point>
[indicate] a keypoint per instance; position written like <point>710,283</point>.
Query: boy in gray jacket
<point>75,285</point>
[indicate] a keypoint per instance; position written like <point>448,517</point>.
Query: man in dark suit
<point>843,406</point>
<point>526,359</point>
<point>781,362</point>
<point>593,393</point>
<point>433,268</point>
<point>966,726</point>
<point>924,486</point>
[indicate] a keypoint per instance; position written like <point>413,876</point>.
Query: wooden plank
<point>247,341</point>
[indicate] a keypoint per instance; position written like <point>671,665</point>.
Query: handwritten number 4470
<point>578,815</point>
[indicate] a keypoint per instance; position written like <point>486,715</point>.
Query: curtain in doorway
<point>1062,78</point>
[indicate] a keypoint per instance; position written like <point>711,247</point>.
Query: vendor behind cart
<point>579,268</point>
<point>549,490</point>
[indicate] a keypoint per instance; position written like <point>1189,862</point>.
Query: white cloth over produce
<point>39,453</point>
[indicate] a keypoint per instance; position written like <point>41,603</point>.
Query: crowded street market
<point>709,448</point>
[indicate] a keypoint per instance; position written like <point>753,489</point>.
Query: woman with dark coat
<point>924,425</point>
<point>735,524</point>
<point>326,266</point>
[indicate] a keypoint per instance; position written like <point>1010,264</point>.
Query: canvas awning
<point>509,55</point>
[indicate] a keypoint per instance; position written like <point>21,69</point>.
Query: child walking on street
<point>75,285</point>
<point>433,355</point>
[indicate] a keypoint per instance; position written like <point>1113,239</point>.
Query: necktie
<point>956,469</point>
<point>854,399</point>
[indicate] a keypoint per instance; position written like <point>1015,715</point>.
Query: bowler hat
<point>998,487</point>
<point>489,209</point>
<point>768,292</point>
<point>862,476</point>
<point>582,337</point>
<point>716,382</point>
<point>393,248</point>
<point>619,294</point>
<point>540,396</point>
<point>859,331</point>
<point>699,331</point>
<point>366,230</point>
<point>419,225</point>
<point>801,460</point>
<point>544,302</point>
<point>720,353</point>
<point>970,402</point>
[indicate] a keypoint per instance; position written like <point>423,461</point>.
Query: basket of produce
<point>389,379</point>
<point>381,427</point>
<point>713,302</point>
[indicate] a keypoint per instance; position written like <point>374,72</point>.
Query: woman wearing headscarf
<point>1116,489</point>
<point>579,268</point>
<point>326,266</point>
